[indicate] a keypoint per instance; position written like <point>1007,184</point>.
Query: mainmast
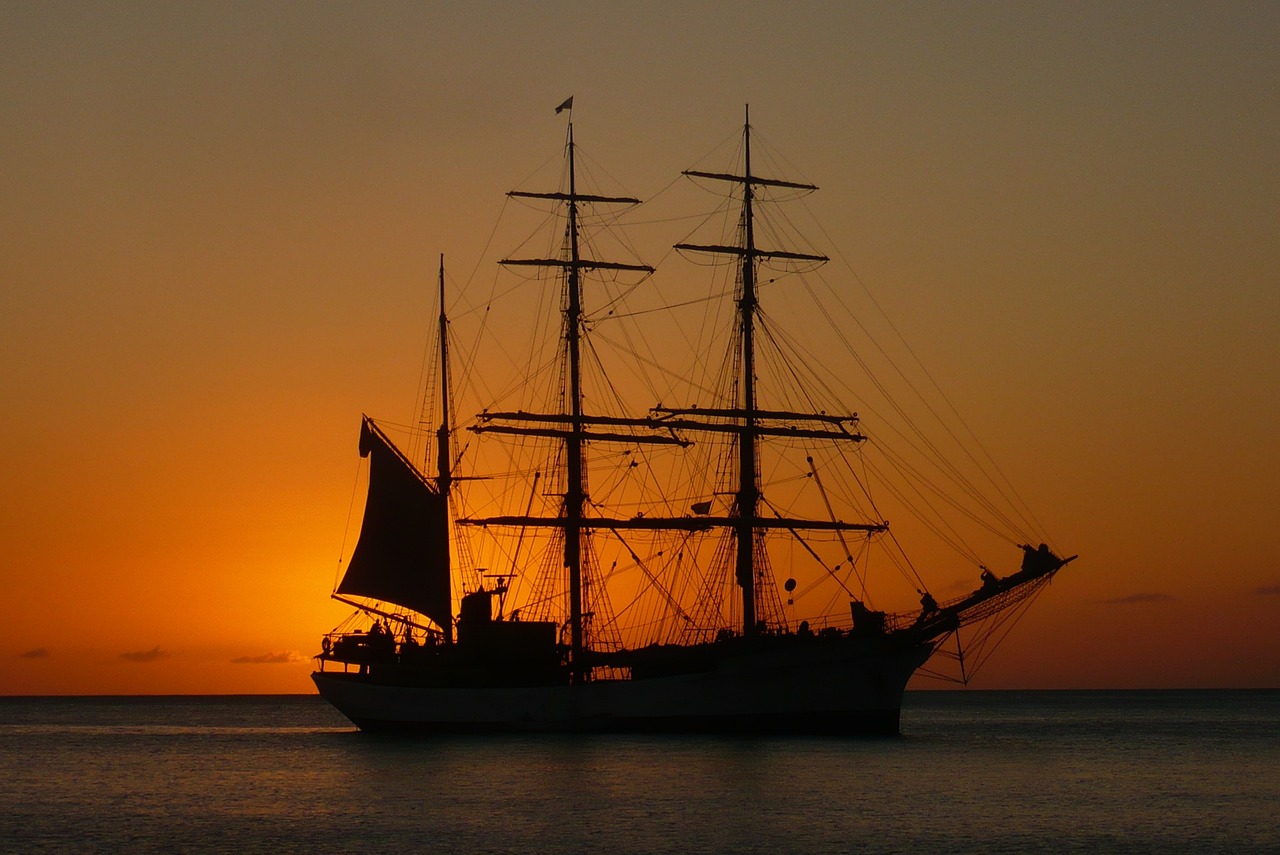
<point>573,422</point>
<point>748,499</point>
<point>575,488</point>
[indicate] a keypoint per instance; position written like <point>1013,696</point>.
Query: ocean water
<point>987,772</point>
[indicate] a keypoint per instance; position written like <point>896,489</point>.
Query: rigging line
<point>599,618</point>
<point>472,348</point>
<point>545,587</point>
<point>657,583</point>
<point>1020,504</point>
<point>592,229</point>
<point>902,466</point>
<point>933,521</point>
<point>346,529</point>
<point>654,197</point>
<point>733,139</point>
<point>1007,622</point>
<point>506,200</point>
<point>557,156</point>
<point>592,369</point>
<point>723,211</point>
<point>875,381</point>
<point>472,367</point>
<point>712,591</point>
<point>645,377</point>
<point>957,479</point>
<point>800,382</point>
<point>816,557</point>
<point>634,224</point>
<point>863,573</point>
<point>497,298</point>
<point>652,363</point>
<point>666,308</point>
<point>515,554</point>
<point>468,570</point>
<point>935,674</point>
<point>811,363</point>
<point>525,381</point>
<point>905,564</point>
<point>586,163</point>
<point>862,483</point>
<point>763,148</point>
<point>817,479</point>
<point>605,312</point>
<point>934,454</point>
<point>632,350</point>
<point>422,437</point>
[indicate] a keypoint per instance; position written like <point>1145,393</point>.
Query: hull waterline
<point>835,694</point>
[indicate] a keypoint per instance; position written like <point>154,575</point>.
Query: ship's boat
<point>704,566</point>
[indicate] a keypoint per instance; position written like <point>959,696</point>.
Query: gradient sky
<point>219,226</point>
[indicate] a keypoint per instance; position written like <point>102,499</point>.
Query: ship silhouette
<point>744,515</point>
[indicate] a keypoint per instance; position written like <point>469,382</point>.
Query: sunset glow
<point>222,228</point>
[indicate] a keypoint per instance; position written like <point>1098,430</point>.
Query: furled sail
<point>402,556</point>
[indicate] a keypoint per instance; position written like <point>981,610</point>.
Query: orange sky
<point>219,228</point>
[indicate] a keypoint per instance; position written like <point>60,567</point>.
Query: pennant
<point>567,105</point>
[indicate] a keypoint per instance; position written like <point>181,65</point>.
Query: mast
<point>747,497</point>
<point>575,437</point>
<point>744,419</point>
<point>403,554</point>
<point>575,488</point>
<point>444,474</point>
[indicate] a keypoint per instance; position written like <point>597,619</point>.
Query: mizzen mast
<point>444,452</point>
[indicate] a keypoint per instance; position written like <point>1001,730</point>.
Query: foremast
<point>747,524</point>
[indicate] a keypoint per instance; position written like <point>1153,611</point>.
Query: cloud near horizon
<point>151,655</point>
<point>1133,599</point>
<point>282,657</point>
<point>35,653</point>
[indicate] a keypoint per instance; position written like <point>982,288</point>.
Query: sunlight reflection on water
<point>974,772</point>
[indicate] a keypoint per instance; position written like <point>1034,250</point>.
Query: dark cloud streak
<point>1138,599</point>
<point>152,655</point>
<point>283,657</point>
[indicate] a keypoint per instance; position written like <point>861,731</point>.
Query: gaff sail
<point>402,556</point>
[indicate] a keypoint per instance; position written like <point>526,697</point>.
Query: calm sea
<point>973,772</point>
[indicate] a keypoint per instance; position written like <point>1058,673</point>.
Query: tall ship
<point>708,560</point>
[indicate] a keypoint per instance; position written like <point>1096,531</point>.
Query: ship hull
<point>836,689</point>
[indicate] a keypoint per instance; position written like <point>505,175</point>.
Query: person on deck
<point>1038,560</point>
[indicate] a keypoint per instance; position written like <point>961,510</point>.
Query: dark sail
<point>402,556</point>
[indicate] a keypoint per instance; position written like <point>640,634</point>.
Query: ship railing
<point>358,648</point>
